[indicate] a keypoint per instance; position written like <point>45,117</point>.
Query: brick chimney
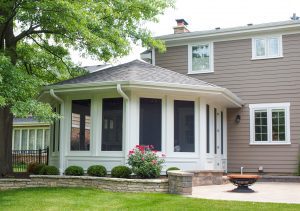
<point>181,26</point>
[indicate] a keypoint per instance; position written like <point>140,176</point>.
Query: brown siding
<point>254,81</point>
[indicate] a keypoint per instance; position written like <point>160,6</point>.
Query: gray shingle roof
<point>136,71</point>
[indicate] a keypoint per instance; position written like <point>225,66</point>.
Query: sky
<point>209,14</point>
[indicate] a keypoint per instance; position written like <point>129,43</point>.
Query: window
<point>207,130</point>
<point>80,131</point>
<point>112,124</point>
<point>31,138</point>
<point>150,122</point>
<point>269,123</point>
<point>267,47</point>
<point>184,126</point>
<point>201,58</point>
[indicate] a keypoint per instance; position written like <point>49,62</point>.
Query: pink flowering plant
<point>145,162</point>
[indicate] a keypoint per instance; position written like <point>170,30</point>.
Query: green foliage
<point>121,172</point>
<point>31,167</point>
<point>145,162</point>
<point>36,169</point>
<point>97,171</point>
<point>74,171</point>
<point>49,170</point>
<point>172,168</point>
<point>43,32</point>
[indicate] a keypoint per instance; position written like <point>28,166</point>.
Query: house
<point>260,64</point>
<point>219,100</point>
<point>109,112</point>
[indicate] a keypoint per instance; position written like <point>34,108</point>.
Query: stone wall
<point>180,182</point>
<point>104,183</point>
<point>207,177</point>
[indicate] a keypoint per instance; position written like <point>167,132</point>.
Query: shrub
<point>31,167</point>
<point>49,170</point>
<point>97,171</point>
<point>145,162</point>
<point>121,172</point>
<point>74,171</point>
<point>171,169</point>
<point>37,168</point>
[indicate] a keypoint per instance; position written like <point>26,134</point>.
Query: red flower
<point>154,151</point>
<point>151,147</point>
<point>143,158</point>
<point>154,162</point>
<point>131,152</point>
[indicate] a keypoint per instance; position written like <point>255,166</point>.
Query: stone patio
<point>264,192</point>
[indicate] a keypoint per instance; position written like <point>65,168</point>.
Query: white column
<point>62,138</point>
<point>203,135</point>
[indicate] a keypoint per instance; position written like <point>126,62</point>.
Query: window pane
<point>260,46</point>
<point>17,135</point>
<point>184,126</point>
<point>200,57</point>
<point>150,122</point>
<point>261,125</point>
<point>31,139</point>
<point>278,125</point>
<point>39,139</point>
<point>47,138</point>
<point>112,124</point>
<point>80,133</point>
<point>24,139</point>
<point>273,46</point>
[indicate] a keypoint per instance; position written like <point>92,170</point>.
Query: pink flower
<point>154,151</point>
<point>143,158</point>
<point>154,162</point>
<point>151,147</point>
<point>163,155</point>
<point>131,152</point>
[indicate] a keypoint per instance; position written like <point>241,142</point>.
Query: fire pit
<point>243,181</point>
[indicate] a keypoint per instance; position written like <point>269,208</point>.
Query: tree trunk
<point>6,123</point>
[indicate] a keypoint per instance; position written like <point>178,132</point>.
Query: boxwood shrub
<point>49,170</point>
<point>74,171</point>
<point>171,168</point>
<point>36,168</point>
<point>97,171</point>
<point>121,172</point>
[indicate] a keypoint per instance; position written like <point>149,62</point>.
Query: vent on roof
<point>217,28</point>
<point>295,17</point>
<point>250,24</point>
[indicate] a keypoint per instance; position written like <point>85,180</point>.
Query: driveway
<point>264,192</point>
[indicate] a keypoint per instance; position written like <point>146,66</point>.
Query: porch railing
<point>22,158</point>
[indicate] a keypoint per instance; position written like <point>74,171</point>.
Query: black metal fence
<point>22,158</point>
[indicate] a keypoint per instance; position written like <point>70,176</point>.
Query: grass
<point>93,199</point>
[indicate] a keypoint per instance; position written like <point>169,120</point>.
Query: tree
<point>35,39</point>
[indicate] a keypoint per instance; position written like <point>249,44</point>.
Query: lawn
<point>93,199</point>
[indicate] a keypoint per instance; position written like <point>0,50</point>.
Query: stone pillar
<point>180,182</point>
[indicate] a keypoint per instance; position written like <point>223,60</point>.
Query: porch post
<point>61,138</point>
<point>203,135</point>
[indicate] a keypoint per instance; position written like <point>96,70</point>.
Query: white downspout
<point>61,148</point>
<point>127,115</point>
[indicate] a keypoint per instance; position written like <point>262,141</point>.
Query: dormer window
<point>267,47</point>
<point>200,58</point>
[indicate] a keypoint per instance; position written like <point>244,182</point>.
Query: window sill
<point>200,72</point>
<point>263,58</point>
<point>271,143</point>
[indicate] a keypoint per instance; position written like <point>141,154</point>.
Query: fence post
<point>40,155</point>
<point>47,155</point>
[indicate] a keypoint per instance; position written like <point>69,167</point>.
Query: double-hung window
<point>270,123</point>
<point>200,58</point>
<point>267,47</point>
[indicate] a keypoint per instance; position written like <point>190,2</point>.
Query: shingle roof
<point>136,71</point>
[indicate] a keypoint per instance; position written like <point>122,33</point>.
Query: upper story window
<point>267,47</point>
<point>200,58</point>
<point>269,123</point>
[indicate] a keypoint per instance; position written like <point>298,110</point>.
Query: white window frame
<point>269,107</point>
<point>211,58</point>
<point>267,56</point>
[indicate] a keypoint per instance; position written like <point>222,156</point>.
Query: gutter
<point>121,92</point>
<point>55,96</point>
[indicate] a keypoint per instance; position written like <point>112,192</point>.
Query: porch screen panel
<point>184,126</point>
<point>80,131</point>
<point>112,124</point>
<point>150,122</point>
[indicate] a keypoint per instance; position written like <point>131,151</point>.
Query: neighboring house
<point>261,65</point>
<point>30,134</point>
<point>109,112</point>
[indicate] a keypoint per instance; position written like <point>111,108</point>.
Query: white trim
<point>153,56</point>
<point>211,58</point>
<point>269,107</point>
<point>266,39</point>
